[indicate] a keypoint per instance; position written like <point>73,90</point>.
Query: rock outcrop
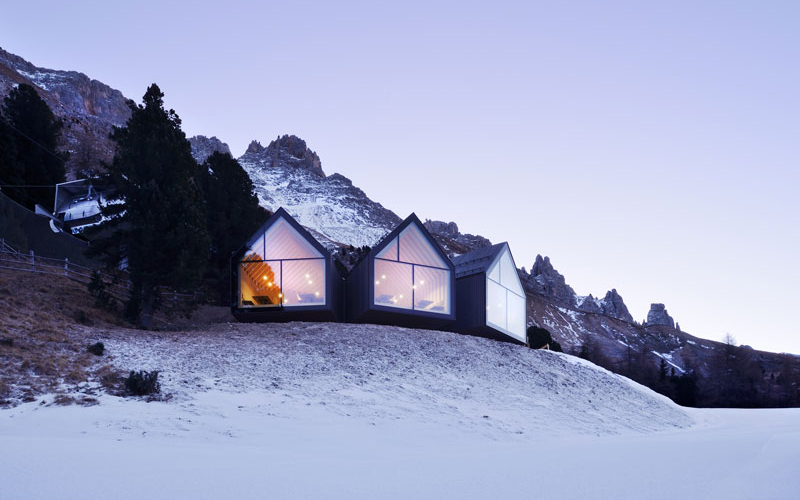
<point>452,241</point>
<point>203,147</point>
<point>286,151</point>
<point>545,280</point>
<point>658,316</point>
<point>614,306</point>
<point>254,147</point>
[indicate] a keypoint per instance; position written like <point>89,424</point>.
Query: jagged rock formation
<point>288,174</point>
<point>545,280</point>
<point>658,316</point>
<point>203,147</point>
<point>88,108</point>
<point>286,151</point>
<point>452,241</point>
<point>611,305</point>
<point>254,147</point>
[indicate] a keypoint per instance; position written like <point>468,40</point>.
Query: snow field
<point>362,411</point>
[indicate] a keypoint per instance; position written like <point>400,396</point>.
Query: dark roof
<point>477,261</point>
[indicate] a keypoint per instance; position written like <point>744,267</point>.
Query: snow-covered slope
<point>362,411</point>
<point>382,373</point>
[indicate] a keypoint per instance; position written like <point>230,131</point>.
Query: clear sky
<point>651,147</point>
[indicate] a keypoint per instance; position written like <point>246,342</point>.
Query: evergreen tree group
<point>29,133</point>
<point>171,222</point>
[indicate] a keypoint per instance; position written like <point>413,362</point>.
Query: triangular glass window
<point>508,273</point>
<point>417,249</point>
<point>284,242</point>
<point>389,252</point>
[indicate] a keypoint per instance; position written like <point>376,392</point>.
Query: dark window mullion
<point>413,286</point>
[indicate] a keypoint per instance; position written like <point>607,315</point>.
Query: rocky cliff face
<point>658,316</point>
<point>286,151</point>
<point>452,241</point>
<point>88,108</point>
<point>203,147</point>
<point>611,305</point>
<point>545,280</point>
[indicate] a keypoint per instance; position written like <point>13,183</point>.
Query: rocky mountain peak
<point>658,316</point>
<point>203,147</point>
<point>545,280</point>
<point>614,306</point>
<point>254,147</point>
<point>452,241</point>
<point>286,151</point>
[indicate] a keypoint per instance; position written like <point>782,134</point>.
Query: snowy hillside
<point>362,411</point>
<point>385,373</point>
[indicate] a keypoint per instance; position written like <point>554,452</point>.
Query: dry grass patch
<point>44,327</point>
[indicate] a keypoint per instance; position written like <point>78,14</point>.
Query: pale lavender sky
<point>652,147</point>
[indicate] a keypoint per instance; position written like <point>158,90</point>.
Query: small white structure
<point>77,204</point>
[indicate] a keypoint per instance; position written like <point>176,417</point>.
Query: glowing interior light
<point>377,282</point>
<point>307,276</point>
<point>280,295</point>
<point>265,277</point>
<point>317,294</point>
<point>421,282</point>
<point>401,295</point>
<point>309,282</point>
<point>383,277</point>
<point>269,283</point>
<point>414,287</point>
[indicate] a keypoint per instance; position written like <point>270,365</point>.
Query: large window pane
<point>284,242</point>
<point>432,290</point>
<point>303,282</point>
<point>259,284</point>
<point>393,284</point>
<point>417,249</point>
<point>517,315</point>
<point>495,305</point>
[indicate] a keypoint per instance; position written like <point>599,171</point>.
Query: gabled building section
<point>491,301</point>
<point>405,280</point>
<point>283,274</point>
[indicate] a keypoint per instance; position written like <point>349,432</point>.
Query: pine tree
<point>34,131</point>
<point>232,215</point>
<point>160,231</point>
<point>662,371</point>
